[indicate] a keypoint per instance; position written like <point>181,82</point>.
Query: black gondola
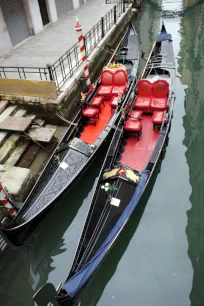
<point>81,143</point>
<point>130,162</point>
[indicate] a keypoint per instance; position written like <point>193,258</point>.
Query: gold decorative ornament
<point>111,173</point>
<point>132,176</point>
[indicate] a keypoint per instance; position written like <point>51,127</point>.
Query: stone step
<point>7,112</point>
<point>3,104</point>
<point>18,152</point>
<point>19,113</point>
<point>8,147</point>
<point>14,179</point>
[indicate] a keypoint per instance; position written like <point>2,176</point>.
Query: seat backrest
<point>107,78</point>
<point>160,89</point>
<point>144,88</point>
<point>120,77</point>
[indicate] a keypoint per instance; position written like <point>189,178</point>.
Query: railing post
<point>49,67</point>
<point>123,6</point>
<point>115,16</point>
<point>102,27</point>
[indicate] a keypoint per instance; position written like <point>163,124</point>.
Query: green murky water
<point>159,258</point>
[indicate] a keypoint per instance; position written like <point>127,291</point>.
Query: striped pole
<point>79,28</point>
<point>5,201</point>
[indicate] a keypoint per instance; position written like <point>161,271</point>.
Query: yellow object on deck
<point>40,89</point>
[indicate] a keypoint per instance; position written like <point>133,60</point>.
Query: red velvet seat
<point>91,113</point>
<point>105,91</point>
<point>135,114</point>
<point>119,89</point>
<point>158,104</point>
<point>133,126</point>
<point>106,84</point>
<point>144,88</point>
<point>114,102</point>
<point>157,118</point>
<point>97,101</point>
<point>120,79</point>
<point>160,89</point>
<point>142,103</point>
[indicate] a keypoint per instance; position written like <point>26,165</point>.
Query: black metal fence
<point>64,67</point>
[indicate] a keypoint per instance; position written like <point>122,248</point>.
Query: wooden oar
<point>117,47</point>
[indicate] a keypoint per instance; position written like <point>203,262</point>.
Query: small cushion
<point>159,104</point>
<point>118,89</point>
<point>142,103</point>
<point>90,112</point>
<point>144,88</point>
<point>96,101</point>
<point>105,91</point>
<point>135,114</point>
<point>133,125</point>
<point>160,88</point>
<point>158,117</point>
<point>114,102</point>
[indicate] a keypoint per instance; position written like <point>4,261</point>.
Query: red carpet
<point>91,131</point>
<point>137,153</point>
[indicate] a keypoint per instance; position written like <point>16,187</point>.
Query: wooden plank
<point>3,104</point>
<point>41,134</point>
<point>7,112</point>
<point>31,116</point>
<point>18,124</point>
<point>8,146</point>
<point>17,153</point>
<point>29,156</point>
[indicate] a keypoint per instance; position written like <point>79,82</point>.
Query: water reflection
<point>192,69</point>
<point>24,270</point>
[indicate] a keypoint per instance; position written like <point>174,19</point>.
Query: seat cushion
<point>144,88</point>
<point>135,114</point>
<point>142,103</point>
<point>120,77</point>
<point>107,78</point>
<point>105,91</point>
<point>158,117</point>
<point>114,102</point>
<point>160,89</point>
<point>90,112</point>
<point>96,101</point>
<point>159,104</point>
<point>118,89</point>
<point>133,125</point>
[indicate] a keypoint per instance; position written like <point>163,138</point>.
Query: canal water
<point>159,258</point>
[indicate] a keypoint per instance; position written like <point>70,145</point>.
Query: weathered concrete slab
<point>7,112</point>
<point>40,89</point>
<point>8,147</point>
<point>14,178</point>
<point>41,134</point>
<point>17,124</point>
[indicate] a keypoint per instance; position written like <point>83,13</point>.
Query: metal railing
<point>61,70</point>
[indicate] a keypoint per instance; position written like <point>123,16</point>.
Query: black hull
<point>17,236</point>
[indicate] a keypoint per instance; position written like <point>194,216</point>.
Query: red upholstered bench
<point>91,113</point>
<point>157,118</point>
<point>159,101</point>
<point>97,101</point>
<point>133,125</point>
<point>112,83</point>
<point>143,100</point>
